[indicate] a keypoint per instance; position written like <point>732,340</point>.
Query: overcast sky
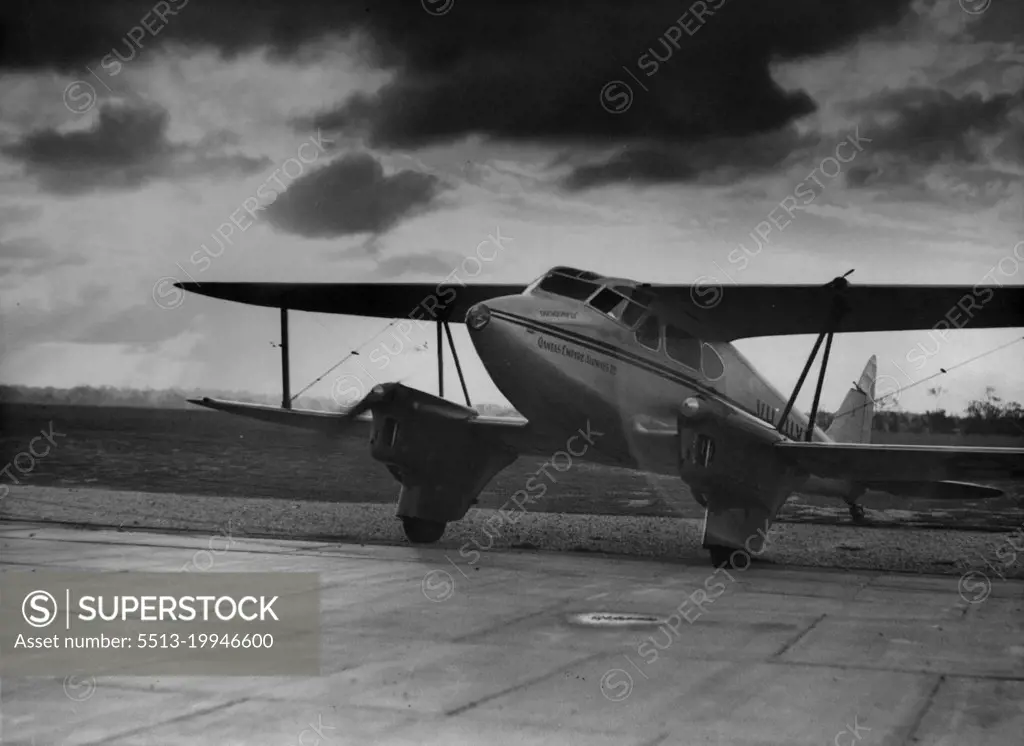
<point>385,141</point>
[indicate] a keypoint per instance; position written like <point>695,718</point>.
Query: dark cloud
<point>534,71</point>
<point>351,195</point>
<point>930,144</point>
<point>719,160</point>
<point>1012,147</point>
<point>127,147</point>
<point>67,36</point>
<point>934,126</point>
<point>1000,22</point>
<point>910,131</point>
<point>529,71</point>
<point>860,176</point>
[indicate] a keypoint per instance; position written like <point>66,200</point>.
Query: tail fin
<point>852,423</point>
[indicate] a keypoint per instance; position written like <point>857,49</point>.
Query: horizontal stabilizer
<point>946,490</point>
<point>867,462</point>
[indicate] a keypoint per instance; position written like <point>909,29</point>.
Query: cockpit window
<point>569,287</point>
<point>682,347</point>
<point>638,295</point>
<point>649,333</point>
<point>617,307</point>
<point>632,314</point>
<point>606,301</point>
<point>581,273</point>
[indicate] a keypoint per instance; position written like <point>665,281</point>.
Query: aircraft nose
<point>478,317</point>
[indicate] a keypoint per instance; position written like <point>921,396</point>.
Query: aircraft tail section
<point>852,423</point>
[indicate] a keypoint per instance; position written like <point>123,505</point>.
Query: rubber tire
<point>721,556</point>
<point>422,531</point>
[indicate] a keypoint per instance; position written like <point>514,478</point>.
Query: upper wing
<point>870,462</point>
<point>737,311</point>
<point>729,312</point>
<point>443,301</point>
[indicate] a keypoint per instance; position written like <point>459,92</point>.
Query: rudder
<point>852,423</point>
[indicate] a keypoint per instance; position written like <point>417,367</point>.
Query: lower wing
<point>398,401</point>
<point>329,423</point>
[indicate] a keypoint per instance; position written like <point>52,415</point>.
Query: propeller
<point>423,404</point>
<point>840,283</point>
<point>379,394</point>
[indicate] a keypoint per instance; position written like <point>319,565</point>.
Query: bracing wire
<point>341,362</point>
<point>942,371</point>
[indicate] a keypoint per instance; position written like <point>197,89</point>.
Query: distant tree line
<point>990,415</point>
<point>113,396</point>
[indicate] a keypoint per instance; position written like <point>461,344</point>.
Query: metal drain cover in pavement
<point>612,619</point>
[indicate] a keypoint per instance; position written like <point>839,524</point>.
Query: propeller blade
<point>378,395</point>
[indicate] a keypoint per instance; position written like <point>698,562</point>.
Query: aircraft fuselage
<point>561,361</point>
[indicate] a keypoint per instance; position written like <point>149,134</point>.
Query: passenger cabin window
<point>568,287</point>
<point>682,347</point>
<point>711,364</point>
<point>649,333</point>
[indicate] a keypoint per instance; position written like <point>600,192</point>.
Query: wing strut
<point>440,361</point>
<point>838,309</point>
<point>458,368</point>
<point>286,399</point>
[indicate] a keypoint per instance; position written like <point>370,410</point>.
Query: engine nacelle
<point>442,464</point>
<point>731,458</point>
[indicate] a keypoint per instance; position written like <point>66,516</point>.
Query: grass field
<point>210,453</point>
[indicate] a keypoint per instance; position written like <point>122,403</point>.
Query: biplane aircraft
<point>647,374</point>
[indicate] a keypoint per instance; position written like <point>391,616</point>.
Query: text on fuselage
<point>578,355</point>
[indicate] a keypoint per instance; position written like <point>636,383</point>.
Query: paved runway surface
<point>419,648</point>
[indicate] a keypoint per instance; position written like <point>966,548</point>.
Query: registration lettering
<point>770,414</point>
<point>578,355</point>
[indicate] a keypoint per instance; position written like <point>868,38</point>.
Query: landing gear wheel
<point>857,514</point>
<point>721,556</point>
<point>422,531</point>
